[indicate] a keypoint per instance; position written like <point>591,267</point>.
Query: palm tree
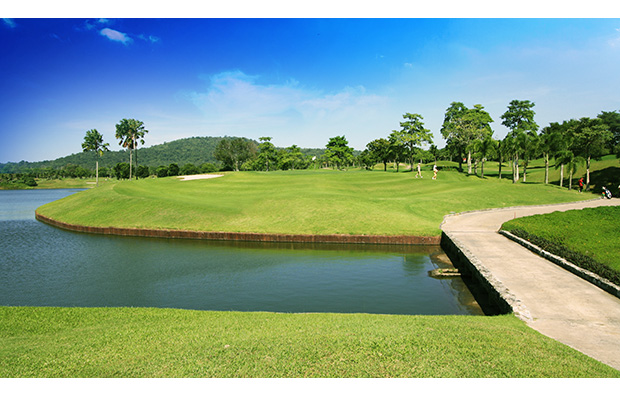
<point>562,142</point>
<point>571,161</point>
<point>93,141</point>
<point>549,143</point>
<point>130,132</point>
<point>485,147</point>
<point>529,146</point>
<point>510,148</point>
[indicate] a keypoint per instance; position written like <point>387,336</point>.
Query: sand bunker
<point>199,176</point>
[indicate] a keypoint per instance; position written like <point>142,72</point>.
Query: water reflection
<point>43,265</point>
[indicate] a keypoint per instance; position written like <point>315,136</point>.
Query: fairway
<point>317,202</point>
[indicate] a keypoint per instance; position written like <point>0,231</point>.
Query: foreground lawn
<point>129,342</point>
<point>299,202</point>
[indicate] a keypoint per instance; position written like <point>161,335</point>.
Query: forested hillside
<point>190,150</point>
<point>194,150</point>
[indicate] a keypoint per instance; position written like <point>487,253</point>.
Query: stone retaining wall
<point>235,236</point>
<point>495,292</point>
<point>587,275</point>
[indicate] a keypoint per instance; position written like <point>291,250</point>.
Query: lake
<point>44,266</point>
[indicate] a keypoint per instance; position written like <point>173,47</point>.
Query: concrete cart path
<point>561,305</point>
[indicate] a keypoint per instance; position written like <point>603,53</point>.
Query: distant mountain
<point>196,150</point>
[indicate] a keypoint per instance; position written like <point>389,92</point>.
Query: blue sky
<point>300,81</point>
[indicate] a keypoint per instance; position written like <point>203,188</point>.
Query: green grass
<point>592,232</point>
<point>128,342</point>
<point>124,342</point>
<point>299,202</point>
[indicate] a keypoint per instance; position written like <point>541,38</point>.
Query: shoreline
<point>243,236</point>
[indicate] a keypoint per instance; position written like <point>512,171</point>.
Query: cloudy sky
<point>300,81</point>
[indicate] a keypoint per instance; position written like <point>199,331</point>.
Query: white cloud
<point>615,41</point>
<point>9,22</point>
<point>152,39</point>
<point>237,104</point>
<point>115,35</point>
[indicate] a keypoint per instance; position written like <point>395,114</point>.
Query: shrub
<point>173,169</point>
<point>161,171</point>
<point>188,169</point>
<point>143,172</point>
<point>30,182</point>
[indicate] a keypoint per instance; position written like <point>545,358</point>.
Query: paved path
<point>561,305</point>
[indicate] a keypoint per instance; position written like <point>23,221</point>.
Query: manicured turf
<point>299,202</point>
<point>126,342</point>
<point>592,231</point>
<point>111,342</point>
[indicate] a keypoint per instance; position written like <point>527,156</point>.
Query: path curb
<point>587,275</point>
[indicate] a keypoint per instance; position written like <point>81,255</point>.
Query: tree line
<point>467,132</point>
<point>469,139</point>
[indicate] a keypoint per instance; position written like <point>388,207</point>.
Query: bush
<point>143,172</point>
<point>161,171</point>
<point>208,168</point>
<point>104,172</point>
<point>173,170</point>
<point>188,169</point>
<point>30,182</point>
<point>121,170</point>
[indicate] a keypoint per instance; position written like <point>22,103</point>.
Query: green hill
<point>195,150</point>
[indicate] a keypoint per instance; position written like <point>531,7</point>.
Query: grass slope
<point>591,231</point>
<point>299,202</point>
<point>127,342</point>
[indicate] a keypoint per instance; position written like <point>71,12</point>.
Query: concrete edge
<point>240,236</point>
<point>497,292</point>
<point>587,275</point>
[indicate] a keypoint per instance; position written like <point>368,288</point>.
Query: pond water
<point>44,266</point>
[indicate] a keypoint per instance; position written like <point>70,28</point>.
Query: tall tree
<point>294,155</point>
<point>233,153</point>
<point>452,129</point>
<point>612,120</point>
<point>590,138</point>
<point>93,141</point>
<point>397,148</point>
<point>434,151</point>
<point>509,147</point>
<point>484,148</point>
<point>528,144</point>
<point>519,118</point>
<point>267,151</point>
<point>548,144</point>
<point>130,132</point>
<point>413,134</point>
<point>562,145</point>
<point>475,126</point>
<point>380,148</point>
<point>568,159</point>
<point>338,151</point>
